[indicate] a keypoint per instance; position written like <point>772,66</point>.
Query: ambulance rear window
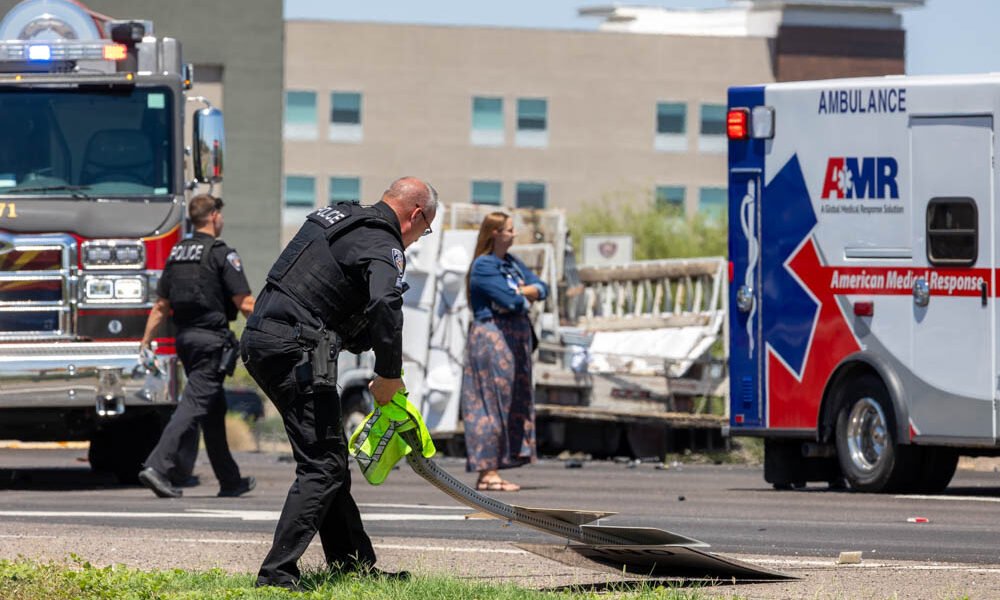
<point>952,231</point>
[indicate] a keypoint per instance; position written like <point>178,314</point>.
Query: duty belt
<point>317,368</point>
<point>303,334</point>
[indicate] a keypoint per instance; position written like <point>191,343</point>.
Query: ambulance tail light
<point>864,309</point>
<point>743,123</point>
<point>762,123</point>
<point>738,124</point>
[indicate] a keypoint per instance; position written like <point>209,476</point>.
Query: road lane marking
<point>831,563</point>
<point>19,445</point>
<point>410,548</point>
<point>243,515</point>
<point>449,549</point>
<point>969,498</point>
<point>414,506</point>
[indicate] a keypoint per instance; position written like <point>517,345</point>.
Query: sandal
<point>497,485</point>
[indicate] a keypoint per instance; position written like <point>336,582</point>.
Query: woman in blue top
<point>498,408</point>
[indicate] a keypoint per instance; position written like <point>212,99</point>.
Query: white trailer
<point>626,361</point>
<point>863,252</point>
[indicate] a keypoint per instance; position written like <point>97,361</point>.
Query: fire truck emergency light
<point>60,30</point>
<point>39,52</point>
<point>115,52</point>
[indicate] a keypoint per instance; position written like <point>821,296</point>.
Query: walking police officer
<point>338,284</point>
<point>204,284</point>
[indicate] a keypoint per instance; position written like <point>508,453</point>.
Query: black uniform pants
<point>202,402</point>
<point>319,500</point>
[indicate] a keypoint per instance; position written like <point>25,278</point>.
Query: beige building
<point>552,118</point>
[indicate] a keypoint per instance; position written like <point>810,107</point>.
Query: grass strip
<point>77,579</point>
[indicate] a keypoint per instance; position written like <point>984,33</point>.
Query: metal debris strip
<point>633,550</point>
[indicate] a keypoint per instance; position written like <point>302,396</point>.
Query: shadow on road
<point>820,487</point>
<point>605,587</point>
<point>56,479</point>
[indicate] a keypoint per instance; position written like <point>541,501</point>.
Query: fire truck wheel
<point>121,447</point>
<point>869,456</point>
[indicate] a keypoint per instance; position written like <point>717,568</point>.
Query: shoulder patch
<point>234,259</point>
<point>399,260</point>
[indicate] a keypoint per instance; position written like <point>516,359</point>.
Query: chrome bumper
<point>106,376</point>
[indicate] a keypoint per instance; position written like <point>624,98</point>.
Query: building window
<point>952,232</point>
<point>670,197</point>
<point>487,121</point>
<point>532,123</point>
<point>713,128</point>
<point>712,202</point>
<point>300,116</point>
<point>300,191</point>
<point>487,192</point>
<point>530,195</point>
<point>671,127</point>
<point>299,198</point>
<point>345,189</point>
<point>345,117</point>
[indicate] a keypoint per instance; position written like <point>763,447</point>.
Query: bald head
<point>415,203</point>
<point>409,193</point>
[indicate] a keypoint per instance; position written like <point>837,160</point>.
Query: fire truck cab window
<point>86,143</point>
<point>952,231</point>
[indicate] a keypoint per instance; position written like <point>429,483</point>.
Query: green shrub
<point>658,231</point>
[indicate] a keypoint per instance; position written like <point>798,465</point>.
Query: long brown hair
<point>491,224</point>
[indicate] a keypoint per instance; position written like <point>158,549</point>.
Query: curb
<point>19,445</point>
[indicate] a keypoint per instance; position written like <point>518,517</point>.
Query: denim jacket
<point>493,286</point>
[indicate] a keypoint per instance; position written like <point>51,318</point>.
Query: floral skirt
<point>498,406</point>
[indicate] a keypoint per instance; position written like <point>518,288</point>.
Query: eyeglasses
<point>427,231</point>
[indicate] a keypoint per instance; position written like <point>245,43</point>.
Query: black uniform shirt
<point>225,263</point>
<point>373,259</point>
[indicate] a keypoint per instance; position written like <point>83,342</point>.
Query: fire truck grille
<point>36,285</point>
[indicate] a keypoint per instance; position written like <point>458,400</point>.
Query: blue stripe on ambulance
<point>746,168</point>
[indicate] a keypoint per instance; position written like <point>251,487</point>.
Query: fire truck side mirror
<point>209,145</point>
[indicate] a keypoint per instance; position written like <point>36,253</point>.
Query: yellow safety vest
<point>375,444</point>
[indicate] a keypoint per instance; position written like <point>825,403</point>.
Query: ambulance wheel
<point>936,470</point>
<point>867,449</point>
<point>355,404</point>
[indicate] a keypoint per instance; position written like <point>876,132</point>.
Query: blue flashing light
<point>39,52</point>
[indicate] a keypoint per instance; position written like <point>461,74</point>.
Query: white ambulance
<point>863,255</point>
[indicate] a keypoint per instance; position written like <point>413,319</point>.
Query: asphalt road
<point>729,507</point>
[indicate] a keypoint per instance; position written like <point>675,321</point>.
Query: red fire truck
<point>93,188</point>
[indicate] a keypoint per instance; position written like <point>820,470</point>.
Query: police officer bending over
<point>204,283</point>
<point>338,284</point>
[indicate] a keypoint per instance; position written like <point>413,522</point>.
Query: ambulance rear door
<point>953,316</point>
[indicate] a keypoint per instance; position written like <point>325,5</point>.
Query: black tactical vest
<point>307,271</point>
<point>196,295</point>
